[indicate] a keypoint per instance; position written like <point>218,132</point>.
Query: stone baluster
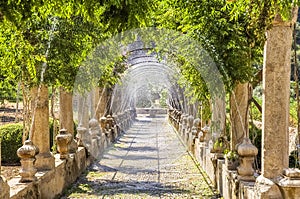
<point>116,125</point>
<point>63,140</point>
<point>188,133</point>
<point>194,134</point>
<point>95,133</point>
<point>81,136</point>
<point>204,134</point>
<point>110,125</point>
<point>247,152</point>
<point>178,117</point>
<point>27,155</point>
<point>104,128</point>
<point>184,126</point>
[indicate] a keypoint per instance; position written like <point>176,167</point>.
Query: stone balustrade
<point>229,181</point>
<point>91,141</point>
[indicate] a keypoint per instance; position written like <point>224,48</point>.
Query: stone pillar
<point>239,114</point>
<point>40,134</point>
<point>218,117</point>
<point>66,115</point>
<point>275,109</point>
<point>66,111</point>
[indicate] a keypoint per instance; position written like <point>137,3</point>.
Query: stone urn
<point>27,155</point>
<point>110,121</point>
<point>247,152</point>
<point>103,123</point>
<point>63,140</point>
<point>104,126</point>
<point>204,131</point>
<point>94,128</point>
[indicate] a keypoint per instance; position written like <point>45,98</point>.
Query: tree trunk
<point>239,114</point>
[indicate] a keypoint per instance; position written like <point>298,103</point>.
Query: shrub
<point>11,141</point>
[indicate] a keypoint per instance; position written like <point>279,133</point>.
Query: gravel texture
<point>148,161</point>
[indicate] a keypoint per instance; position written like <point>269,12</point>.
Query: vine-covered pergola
<point>212,54</point>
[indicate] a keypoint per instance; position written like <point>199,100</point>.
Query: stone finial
<point>94,128</point>
<point>247,152</point>
<point>27,154</point>
<point>80,135</point>
<point>110,121</point>
<point>190,121</point>
<point>203,133</point>
<point>103,123</point>
<point>196,127</point>
<point>63,140</point>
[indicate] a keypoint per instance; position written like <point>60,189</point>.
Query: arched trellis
<point>156,40</point>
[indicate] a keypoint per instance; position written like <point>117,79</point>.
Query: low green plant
<point>231,155</point>
<point>11,141</point>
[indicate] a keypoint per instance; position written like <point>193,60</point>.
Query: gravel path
<point>148,161</point>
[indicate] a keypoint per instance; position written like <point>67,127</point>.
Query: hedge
<point>11,141</point>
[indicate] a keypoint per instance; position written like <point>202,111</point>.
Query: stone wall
<point>50,183</point>
<point>223,175</point>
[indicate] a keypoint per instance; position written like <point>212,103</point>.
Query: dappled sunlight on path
<point>148,161</point>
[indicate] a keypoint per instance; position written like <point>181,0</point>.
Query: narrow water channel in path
<point>148,161</point>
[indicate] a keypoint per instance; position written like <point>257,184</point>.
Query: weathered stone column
<point>239,114</point>
<point>66,111</point>
<point>66,115</point>
<point>276,86</point>
<point>218,117</point>
<point>40,135</point>
<point>275,109</point>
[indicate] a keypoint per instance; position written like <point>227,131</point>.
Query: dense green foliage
<point>11,141</point>
<point>59,35</point>
<point>53,41</point>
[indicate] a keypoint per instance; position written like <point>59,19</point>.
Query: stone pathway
<point>148,161</point>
